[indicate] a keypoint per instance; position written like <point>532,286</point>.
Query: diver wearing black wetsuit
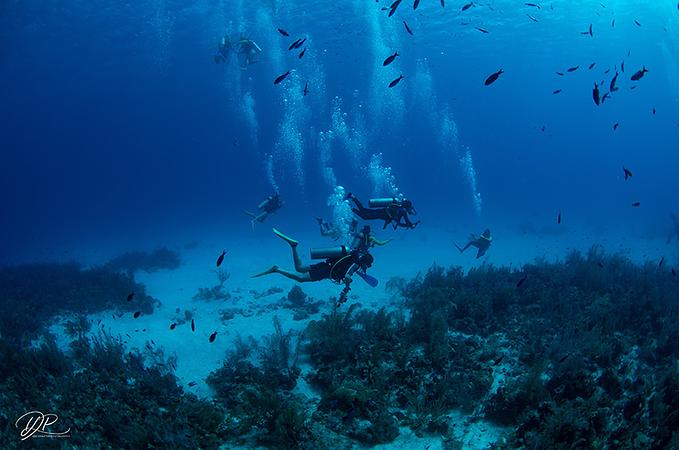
<point>395,213</point>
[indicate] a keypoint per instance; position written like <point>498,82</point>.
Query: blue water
<point>117,125</point>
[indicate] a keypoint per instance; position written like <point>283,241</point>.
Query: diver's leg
<point>270,270</point>
<point>299,267</point>
<point>463,248</point>
<point>301,278</point>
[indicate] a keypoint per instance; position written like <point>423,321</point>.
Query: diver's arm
<point>377,242</point>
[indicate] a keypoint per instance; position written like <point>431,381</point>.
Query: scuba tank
<point>382,202</point>
<point>329,252</point>
<point>264,202</point>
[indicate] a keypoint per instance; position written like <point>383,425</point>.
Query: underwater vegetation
<point>32,294</point>
<point>130,262</point>
<point>579,353</point>
<point>107,398</point>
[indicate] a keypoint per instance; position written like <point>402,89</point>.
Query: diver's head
<point>408,205</point>
<point>486,234</point>
<point>366,261</point>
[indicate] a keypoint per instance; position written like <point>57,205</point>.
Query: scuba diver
<point>675,230</point>
<point>246,49</point>
<point>223,50</point>
<point>391,210</point>
<point>331,230</point>
<point>340,263</point>
<point>247,52</point>
<point>268,206</point>
<point>481,242</point>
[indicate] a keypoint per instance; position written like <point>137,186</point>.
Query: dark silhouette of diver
<point>339,265</point>
<point>390,210</point>
<point>268,206</point>
<point>246,49</point>
<point>331,230</point>
<point>675,230</point>
<point>482,243</point>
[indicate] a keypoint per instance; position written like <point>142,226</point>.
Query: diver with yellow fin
<point>341,262</point>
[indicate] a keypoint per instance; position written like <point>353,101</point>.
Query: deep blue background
<point>116,123</point>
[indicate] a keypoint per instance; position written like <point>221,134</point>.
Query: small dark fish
<point>629,52</point>
<point>306,89</point>
<point>301,54</point>
<point>213,336</point>
<point>557,91</point>
<point>193,325</point>
<point>654,111</point>
<point>662,261</point>
<point>636,204</point>
<point>543,128</point>
<point>558,218</point>
<point>613,24</point>
<point>281,77</point>
<point>416,4</point>
<point>564,358</point>
<point>153,342</point>
<point>639,74</point>
<point>137,314</point>
<point>600,264</point>
<point>294,44</point>
<point>622,66</point>
<point>595,94</point>
<point>627,172</point>
<point>301,43</point>
<point>498,360</point>
<point>533,4</point>
<point>674,272</point>
<point>573,69</point>
<point>283,32</point>
<point>607,70</point>
<point>637,22</point>
<point>467,6</point>
<point>532,18</point>
<point>482,30</point>
<point>393,7</point>
<point>173,326</point>
<point>130,296</point>
<point>396,81</point>
<point>128,335</point>
<point>443,3</point>
<point>589,31</point>
<point>632,88</point>
<point>560,74</point>
<point>522,280</point>
<point>390,59</point>
<point>591,66</point>
<point>220,260</point>
<point>493,77</point>
<point>410,32</point>
<point>606,96</point>
<point>615,126</point>
<point>192,383</point>
<point>612,87</point>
